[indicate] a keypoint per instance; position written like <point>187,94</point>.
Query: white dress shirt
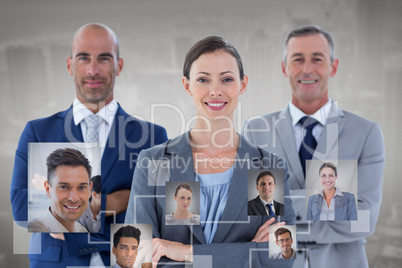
<point>107,114</point>
<point>265,205</point>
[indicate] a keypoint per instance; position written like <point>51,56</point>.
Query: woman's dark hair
<point>208,45</point>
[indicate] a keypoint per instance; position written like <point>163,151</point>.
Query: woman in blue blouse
<point>216,156</point>
<point>331,204</point>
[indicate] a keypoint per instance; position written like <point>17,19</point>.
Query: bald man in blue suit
<point>94,65</point>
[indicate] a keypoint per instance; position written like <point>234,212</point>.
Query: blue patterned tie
<point>92,122</point>
<point>271,212</point>
<point>309,143</point>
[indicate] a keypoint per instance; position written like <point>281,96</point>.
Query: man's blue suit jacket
<point>127,137</point>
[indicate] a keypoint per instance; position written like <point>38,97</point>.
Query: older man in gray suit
<point>313,127</point>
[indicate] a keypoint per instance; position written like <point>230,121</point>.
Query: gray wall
<point>154,37</point>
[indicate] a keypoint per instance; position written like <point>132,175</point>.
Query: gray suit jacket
<point>345,136</point>
<point>256,207</point>
<point>345,207</point>
<point>231,246</point>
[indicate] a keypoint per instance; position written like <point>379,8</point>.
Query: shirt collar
<point>265,202</point>
<point>107,113</point>
<point>337,192</point>
<point>321,115</point>
<point>116,265</point>
<point>291,257</point>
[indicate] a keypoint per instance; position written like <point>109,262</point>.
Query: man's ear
<point>334,66</point>
<point>120,64</point>
<point>284,70</point>
<point>69,69</point>
<point>90,190</point>
<point>277,242</point>
<point>47,188</point>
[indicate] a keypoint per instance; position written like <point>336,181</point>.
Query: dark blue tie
<point>309,143</point>
<point>271,212</point>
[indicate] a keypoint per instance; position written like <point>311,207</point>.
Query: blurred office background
<point>35,38</point>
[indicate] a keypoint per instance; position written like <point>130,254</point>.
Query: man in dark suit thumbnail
<point>264,204</point>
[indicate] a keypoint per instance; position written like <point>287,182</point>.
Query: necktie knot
<point>308,122</point>
<point>92,121</point>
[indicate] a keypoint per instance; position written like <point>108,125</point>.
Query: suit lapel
<point>260,206</point>
<point>237,199</point>
<point>277,208</point>
<point>285,133</point>
<point>182,169</point>
<point>327,147</point>
<point>318,202</point>
<point>340,203</point>
<point>110,154</point>
<point>69,130</point>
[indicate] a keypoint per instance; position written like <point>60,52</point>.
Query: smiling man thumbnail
<point>69,187</point>
<point>284,240</point>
